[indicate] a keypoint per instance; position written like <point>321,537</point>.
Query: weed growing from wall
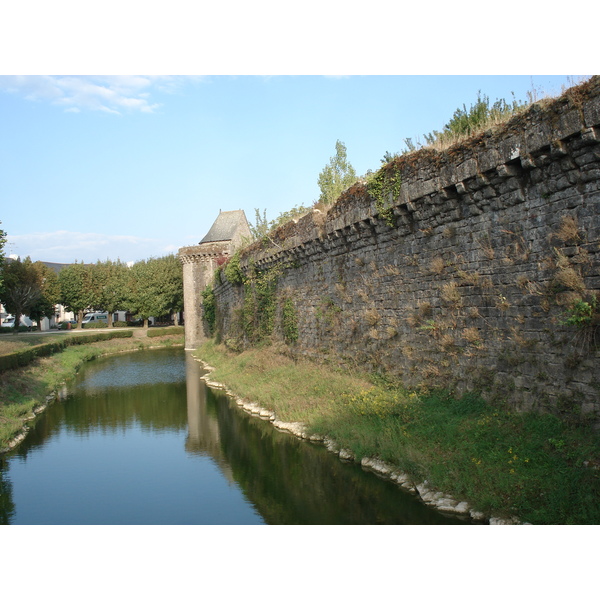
<point>384,186</point>
<point>209,307</point>
<point>233,270</point>
<point>259,306</point>
<point>289,321</point>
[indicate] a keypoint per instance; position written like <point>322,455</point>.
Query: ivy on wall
<point>384,186</point>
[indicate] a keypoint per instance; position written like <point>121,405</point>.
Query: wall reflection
<point>203,427</point>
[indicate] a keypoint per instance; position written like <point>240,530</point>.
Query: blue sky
<point>136,166</point>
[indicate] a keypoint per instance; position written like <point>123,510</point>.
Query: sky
<point>132,167</point>
<point>239,106</point>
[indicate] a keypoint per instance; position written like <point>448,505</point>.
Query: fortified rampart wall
<point>494,242</point>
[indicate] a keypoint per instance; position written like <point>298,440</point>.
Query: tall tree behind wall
<point>336,176</point>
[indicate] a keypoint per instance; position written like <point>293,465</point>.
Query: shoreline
<point>60,393</point>
<point>444,503</point>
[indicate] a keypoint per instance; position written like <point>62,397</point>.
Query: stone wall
<point>493,242</point>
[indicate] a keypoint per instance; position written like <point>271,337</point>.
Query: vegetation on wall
<point>209,308</point>
<point>466,122</point>
<point>336,176</point>
<point>232,269</point>
<point>289,321</point>
<point>384,186</point>
<point>259,305</point>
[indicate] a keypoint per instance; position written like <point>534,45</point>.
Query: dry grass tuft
<point>570,279</point>
<point>468,278</point>
<point>472,335</point>
<point>372,316</point>
<point>436,266</point>
<point>450,294</point>
<point>568,231</point>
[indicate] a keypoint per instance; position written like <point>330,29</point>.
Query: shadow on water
<point>152,410</point>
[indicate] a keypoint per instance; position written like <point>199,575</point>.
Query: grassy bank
<point>24,389</point>
<point>533,466</point>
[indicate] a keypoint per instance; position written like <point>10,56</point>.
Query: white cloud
<point>69,246</point>
<point>114,94</point>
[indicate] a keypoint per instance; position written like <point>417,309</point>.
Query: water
<point>140,439</point>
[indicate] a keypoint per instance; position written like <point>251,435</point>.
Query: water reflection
<point>141,439</point>
<point>203,429</point>
<point>291,481</point>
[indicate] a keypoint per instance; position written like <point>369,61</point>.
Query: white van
<point>9,321</point>
<point>95,317</point>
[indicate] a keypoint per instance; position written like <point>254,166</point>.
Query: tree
<point>109,287</point>
<point>263,228</point>
<point>76,288</point>
<point>155,287</point>
<point>336,176</point>
<point>50,293</point>
<point>21,289</point>
<point>2,243</point>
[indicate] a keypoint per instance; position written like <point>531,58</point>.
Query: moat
<point>140,439</point>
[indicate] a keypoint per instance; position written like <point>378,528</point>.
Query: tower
<point>199,264</point>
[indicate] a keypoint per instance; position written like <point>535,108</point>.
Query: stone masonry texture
<point>494,241</point>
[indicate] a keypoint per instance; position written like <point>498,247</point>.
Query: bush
<point>22,358</point>
<point>119,323</point>
<point>96,325</point>
<point>22,329</point>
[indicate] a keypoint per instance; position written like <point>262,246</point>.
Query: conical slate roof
<point>226,226</point>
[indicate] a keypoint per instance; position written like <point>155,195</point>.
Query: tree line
<point>149,288</point>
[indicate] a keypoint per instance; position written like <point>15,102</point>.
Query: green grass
<point>12,343</point>
<point>24,389</point>
<point>533,466</point>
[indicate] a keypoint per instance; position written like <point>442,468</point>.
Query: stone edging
<point>436,499</point>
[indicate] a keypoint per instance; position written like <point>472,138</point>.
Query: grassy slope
<point>25,389</point>
<point>533,466</point>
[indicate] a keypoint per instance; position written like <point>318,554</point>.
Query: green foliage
<point>209,308</point>
<point>327,311</point>
<point>22,358</point>
<point>155,287</point>
<point>259,306</point>
<point>289,215</point>
<point>50,292</point>
<point>110,285</point>
<point>233,271</point>
<point>336,176</point>
<point>389,157</point>
<point>465,121</point>
<point>162,331</point>
<point>22,288</point>
<point>263,228</point>
<point>582,314</point>
<point>76,288</point>
<point>384,186</point>
<point>96,325</point>
<point>289,321</point>
<point>2,244</point>
<point>536,467</point>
